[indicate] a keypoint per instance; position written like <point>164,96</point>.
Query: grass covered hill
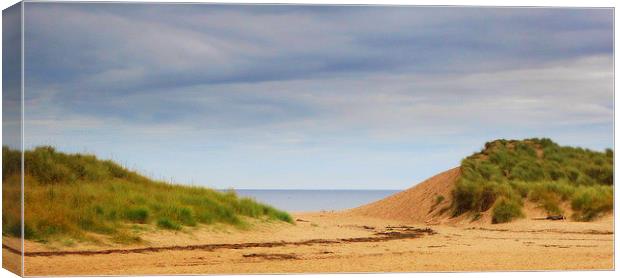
<point>506,173</point>
<point>78,196</point>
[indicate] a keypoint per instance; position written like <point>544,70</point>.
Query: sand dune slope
<point>418,204</point>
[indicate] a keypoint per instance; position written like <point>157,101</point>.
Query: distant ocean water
<point>315,200</point>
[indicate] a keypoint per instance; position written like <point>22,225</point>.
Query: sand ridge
<point>418,204</point>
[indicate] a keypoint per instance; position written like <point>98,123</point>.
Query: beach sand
<point>406,232</point>
<point>324,242</point>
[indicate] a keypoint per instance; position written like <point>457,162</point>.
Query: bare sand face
<point>341,242</point>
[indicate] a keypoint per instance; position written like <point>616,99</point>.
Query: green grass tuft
<point>506,210</point>
<point>439,199</point>
<point>590,202</point>
<point>138,215</point>
<point>166,223</point>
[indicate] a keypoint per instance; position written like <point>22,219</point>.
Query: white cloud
<point>301,92</point>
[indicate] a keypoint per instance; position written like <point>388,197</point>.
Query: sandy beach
<point>327,242</point>
<point>405,232</point>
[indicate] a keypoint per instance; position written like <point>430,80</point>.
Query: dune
<point>419,204</point>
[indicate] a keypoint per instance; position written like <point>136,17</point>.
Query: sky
<point>11,77</point>
<point>311,97</point>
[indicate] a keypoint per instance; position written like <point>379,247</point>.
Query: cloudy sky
<point>311,96</point>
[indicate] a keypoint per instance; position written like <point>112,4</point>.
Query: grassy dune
<point>77,196</point>
<point>508,172</point>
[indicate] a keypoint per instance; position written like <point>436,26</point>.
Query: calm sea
<point>315,200</point>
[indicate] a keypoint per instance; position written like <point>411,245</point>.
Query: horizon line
<point>308,189</point>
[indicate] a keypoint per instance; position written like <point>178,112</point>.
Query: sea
<point>315,200</point>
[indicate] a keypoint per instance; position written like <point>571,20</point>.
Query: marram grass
<point>76,196</point>
<point>508,172</point>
